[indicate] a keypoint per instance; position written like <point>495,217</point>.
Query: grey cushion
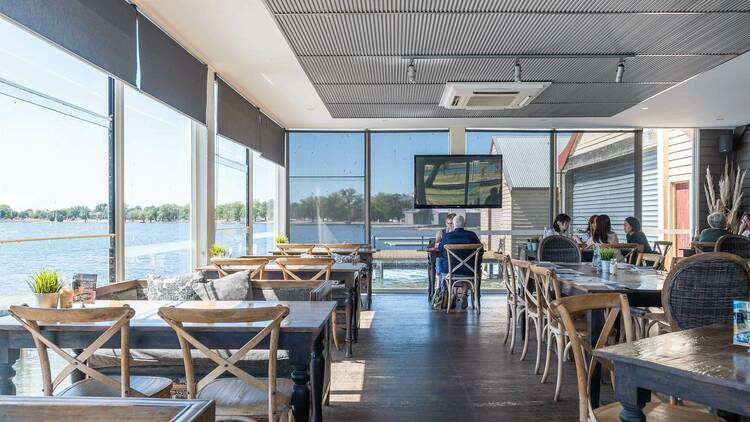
<point>235,286</point>
<point>173,287</point>
<point>344,259</point>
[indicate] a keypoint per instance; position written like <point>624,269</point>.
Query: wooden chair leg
<point>539,327</point>
<point>334,331</point>
<point>450,297</point>
<point>548,358</point>
<point>509,322</point>
<point>513,327</point>
<point>526,336</point>
<point>560,355</point>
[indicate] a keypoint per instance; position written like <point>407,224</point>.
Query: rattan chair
<point>242,397</point>
<point>613,304</point>
<point>516,300</point>
<point>471,262</point>
<point>734,244</point>
<point>534,313</point>
<point>701,289</point>
<point>96,384</point>
<point>559,249</point>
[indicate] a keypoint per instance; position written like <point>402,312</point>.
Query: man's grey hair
<point>458,222</point>
<point>716,220</point>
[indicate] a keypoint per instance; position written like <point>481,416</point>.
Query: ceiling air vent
<point>490,95</point>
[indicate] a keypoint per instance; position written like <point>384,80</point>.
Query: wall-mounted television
<point>458,181</point>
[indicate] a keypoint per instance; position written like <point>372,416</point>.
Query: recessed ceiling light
<point>719,118</point>
<point>644,108</point>
<point>310,108</point>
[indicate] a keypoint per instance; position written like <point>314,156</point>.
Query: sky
<point>51,160</point>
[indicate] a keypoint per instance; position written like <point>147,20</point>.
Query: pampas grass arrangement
<point>730,193</point>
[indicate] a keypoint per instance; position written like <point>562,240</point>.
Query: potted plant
<point>46,287</point>
<point>217,251</point>
<point>607,255</point>
<point>281,239</point>
<point>534,242</point>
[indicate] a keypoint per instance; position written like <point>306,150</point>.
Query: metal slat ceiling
<point>356,51</point>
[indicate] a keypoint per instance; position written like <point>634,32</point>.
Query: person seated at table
<point>561,225</point>
<point>717,222</point>
<point>589,229</point>
<point>744,229</point>
<point>633,233</point>
<point>457,236</point>
<point>602,232</point>
<point>439,237</point>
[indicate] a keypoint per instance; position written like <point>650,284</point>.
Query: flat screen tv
<point>458,181</point>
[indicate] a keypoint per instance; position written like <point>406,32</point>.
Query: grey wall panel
<point>709,157</point>
<point>170,73</point>
<point>272,145</point>
<point>237,118</point>
<point>650,194</point>
<point>99,31</point>
<point>605,188</point>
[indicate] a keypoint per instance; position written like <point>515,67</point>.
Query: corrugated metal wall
<point>650,195</point>
<point>605,188</point>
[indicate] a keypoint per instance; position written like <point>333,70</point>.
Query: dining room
<point>374,210</point>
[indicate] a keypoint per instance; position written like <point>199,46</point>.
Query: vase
<point>46,300</point>
<point>605,266</point>
<point>613,267</point>
<point>534,246</point>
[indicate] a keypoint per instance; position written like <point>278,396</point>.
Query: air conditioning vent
<point>490,95</point>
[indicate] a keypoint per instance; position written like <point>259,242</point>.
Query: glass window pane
<point>231,197</point>
<point>326,187</point>
<point>157,188</point>
<point>265,196</point>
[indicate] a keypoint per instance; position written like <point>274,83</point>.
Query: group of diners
<point>599,231</point>
<point>456,267</point>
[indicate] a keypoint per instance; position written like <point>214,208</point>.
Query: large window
<point>53,162</point>
<point>231,196</point>
<point>265,194</point>
<point>157,188</point>
<point>326,187</point>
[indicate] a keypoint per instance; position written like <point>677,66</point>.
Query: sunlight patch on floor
<point>347,381</point>
<point>365,319</point>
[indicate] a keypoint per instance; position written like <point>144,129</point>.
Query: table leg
<point>7,358</point>
<point>318,378</point>
<point>301,392</point>
<point>355,316</point>
<point>349,314</point>
<point>595,319</point>
<point>632,398</point>
<point>369,284</point>
<point>431,276</point>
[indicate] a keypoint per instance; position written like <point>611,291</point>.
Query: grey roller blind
<point>101,32</point>
<point>271,140</point>
<point>236,118</point>
<point>169,73</point>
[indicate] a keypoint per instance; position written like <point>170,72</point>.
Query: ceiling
<point>339,64</point>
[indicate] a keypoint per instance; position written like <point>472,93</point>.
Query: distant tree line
<point>233,211</point>
<point>348,205</point>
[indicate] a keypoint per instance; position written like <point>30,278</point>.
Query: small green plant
<point>607,254</point>
<point>281,239</point>
<point>217,250</point>
<point>534,239</point>
<point>45,282</point>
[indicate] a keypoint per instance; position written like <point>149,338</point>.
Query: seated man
<point>458,236</point>
<point>717,222</point>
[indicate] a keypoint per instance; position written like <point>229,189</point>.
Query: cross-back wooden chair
<point>516,299</point>
<point>226,266</point>
<point>96,384</point>
<point>629,251</point>
<point>471,263</point>
<point>662,247</point>
<point>288,264</point>
<point>533,311</point>
<point>655,260</point>
<point>295,248</point>
<point>342,248</point>
<point>613,304</point>
<point>242,397</point>
<point>548,287</point>
<point>703,247</point>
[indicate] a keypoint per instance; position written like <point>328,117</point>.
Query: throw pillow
<point>235,286</point>
<point>172,287</point>
<point>344,259</point>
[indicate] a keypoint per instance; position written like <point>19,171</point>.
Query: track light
<point>411,72</point>
<point>620,71</point>
<point>517,72</point>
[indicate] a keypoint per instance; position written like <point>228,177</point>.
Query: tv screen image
<point>458,181</point>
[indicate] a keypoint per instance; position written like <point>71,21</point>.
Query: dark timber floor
<point>413,363</point>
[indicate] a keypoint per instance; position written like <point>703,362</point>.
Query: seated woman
<point>717,222</point>
<point>744,225</point>
<point>561,225</point>
<point>602,232</point>
<point>439,237</point>
<point>589,229</point>
<point>634,234</point>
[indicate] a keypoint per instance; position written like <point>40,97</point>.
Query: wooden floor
<point>413,363</point>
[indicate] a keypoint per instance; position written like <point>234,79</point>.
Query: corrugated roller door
<point>605,188</point>
<point>650,196</point>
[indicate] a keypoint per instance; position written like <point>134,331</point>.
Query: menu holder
<point>741,323</point>
<point>84,288</point>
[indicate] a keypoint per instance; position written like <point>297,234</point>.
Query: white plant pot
<point>605,267</point>
<point>613,267</point>
<point>46,300</point>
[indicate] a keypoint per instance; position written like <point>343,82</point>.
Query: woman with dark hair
<point>602,232</point>
<point>585,237</point>
<point>634,234</point>
<point>561,225</point>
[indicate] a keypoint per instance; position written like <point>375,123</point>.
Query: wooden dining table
<point>700,365</point>
<point>302,334</point>
<point>347,273</point>
<point>642,287</point>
